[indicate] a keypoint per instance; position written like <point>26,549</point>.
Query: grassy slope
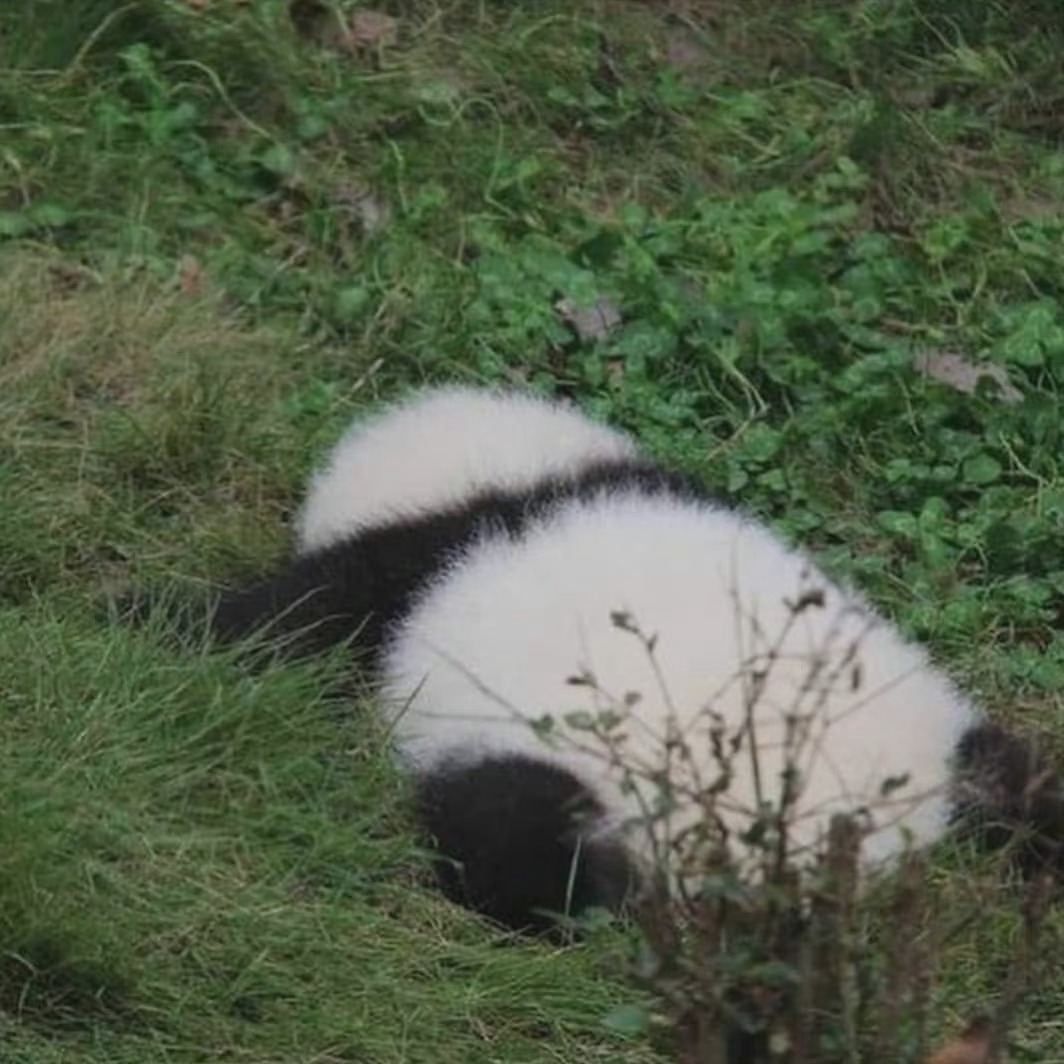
<point>223,236</point>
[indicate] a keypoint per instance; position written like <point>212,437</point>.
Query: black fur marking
<point>508,830</point>
<point>354,591</point>
<point>1006,794</point>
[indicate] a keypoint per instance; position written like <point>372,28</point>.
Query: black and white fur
<point>491,554</point>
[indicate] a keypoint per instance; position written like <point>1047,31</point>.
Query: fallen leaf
<point>1030,209</point>
<point>70,276</point>
<point>364,30</point>
<point>372,212</point>
<point>963,375</point>
<point>373,29</point>
<point>189,275</point>
<point>590,323</point>
<point>973,1047</point>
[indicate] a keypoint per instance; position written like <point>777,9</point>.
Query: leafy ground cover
<point>770,238</point>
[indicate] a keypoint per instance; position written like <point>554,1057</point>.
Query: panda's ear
<point>1009,794</point>
<point>972,1047</point>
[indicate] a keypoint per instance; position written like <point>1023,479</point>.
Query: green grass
<point>221,235</point>
<point>198,865</point>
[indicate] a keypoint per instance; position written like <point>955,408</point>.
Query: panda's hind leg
<point>515,841</point>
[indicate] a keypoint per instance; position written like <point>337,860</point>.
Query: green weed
<point>224,227</point>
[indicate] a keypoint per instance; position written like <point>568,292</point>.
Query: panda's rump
<point>560,621</point>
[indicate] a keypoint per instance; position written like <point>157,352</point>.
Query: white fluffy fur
<point>441,447</point>
<point>492,643</point>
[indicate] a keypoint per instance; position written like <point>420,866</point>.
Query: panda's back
<point>501,634</point>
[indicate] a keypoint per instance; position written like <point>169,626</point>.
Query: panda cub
<point>552,620</point>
